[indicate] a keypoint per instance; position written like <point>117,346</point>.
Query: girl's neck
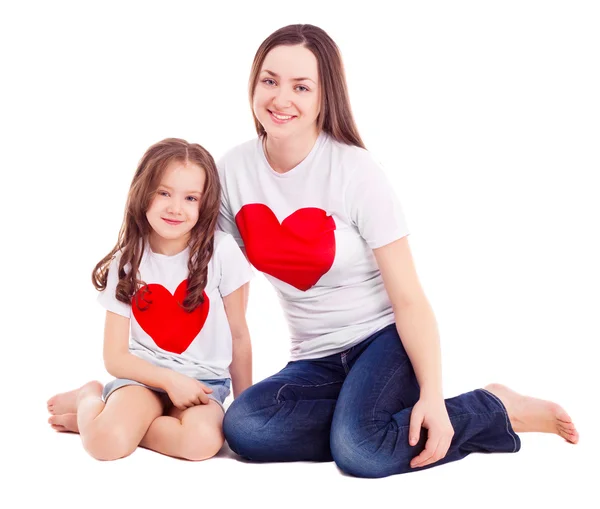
<point>167,247</point>
<point>287,153</point>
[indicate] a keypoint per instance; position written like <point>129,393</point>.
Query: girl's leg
<point>370,427</point>
<point>287,417</point>
<point>195,433</point>
<point>108,430</point>
<point>66,402</point>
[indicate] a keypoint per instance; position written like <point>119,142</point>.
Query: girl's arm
<point>241,364</point>
<point>417,329</point>
<point>183,391</point>
<point>122,364</point>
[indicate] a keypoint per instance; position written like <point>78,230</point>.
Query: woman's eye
<point>269,81</point>
<point>301,88</point>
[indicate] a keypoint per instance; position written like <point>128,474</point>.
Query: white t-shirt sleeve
<point>235,269</point>
<point>107,298</point>
<point>373,206</point>
<point>226,220</point>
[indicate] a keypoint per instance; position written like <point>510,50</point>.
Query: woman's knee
<point>364,452</point>
<point>246,418</point>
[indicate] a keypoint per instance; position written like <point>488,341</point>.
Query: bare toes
<point>51,407</point>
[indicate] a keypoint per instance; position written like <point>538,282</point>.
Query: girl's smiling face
<point>174,209</point>
<point>287,97</point>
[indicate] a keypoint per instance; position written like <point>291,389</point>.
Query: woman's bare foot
<point>532,414</point>
<point>66,402</point>
<point>64,423</point>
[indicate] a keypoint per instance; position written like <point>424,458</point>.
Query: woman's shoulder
<point>352,160</point>
<point>237,154</point>
<point>223,241</point>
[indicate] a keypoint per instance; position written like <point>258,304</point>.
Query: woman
<point>314,212</point>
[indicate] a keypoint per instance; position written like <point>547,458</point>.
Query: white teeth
<point>281,117</point>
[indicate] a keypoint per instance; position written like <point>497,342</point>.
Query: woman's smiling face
<point>287,97</point>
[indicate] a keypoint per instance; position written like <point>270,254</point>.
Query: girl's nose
<point>174,206</point>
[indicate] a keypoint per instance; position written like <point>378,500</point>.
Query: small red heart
<point>299,251</point>
<point>171,327</point>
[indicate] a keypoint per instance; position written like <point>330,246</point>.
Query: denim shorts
<point>220,386</point>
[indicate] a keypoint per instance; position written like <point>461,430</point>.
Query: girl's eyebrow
<point>275,75</point>
<point>169,188</point>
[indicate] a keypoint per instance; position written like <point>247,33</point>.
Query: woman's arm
<point>415,320</point>
<point>241,364</point>
<point>417,329</point>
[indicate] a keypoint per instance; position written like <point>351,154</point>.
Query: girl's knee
<point>198,445</point>
<point>108,443</point>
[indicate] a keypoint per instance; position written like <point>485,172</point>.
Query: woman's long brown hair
<point>135,229</point>
<point>335,117</point>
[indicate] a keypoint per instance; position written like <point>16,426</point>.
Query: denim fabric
<point>354,407</point>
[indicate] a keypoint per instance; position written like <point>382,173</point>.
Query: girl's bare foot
<point>532,414</point>
<point>66,402</point>
<point>64,423</point>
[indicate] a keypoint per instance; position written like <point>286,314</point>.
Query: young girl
<point>179,287</point>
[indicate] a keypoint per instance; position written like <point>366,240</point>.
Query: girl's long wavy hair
<point>135,229</point>
<point>335,117</point>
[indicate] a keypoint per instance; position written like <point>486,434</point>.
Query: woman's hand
<point>430,413</point>
<point>186,392</point>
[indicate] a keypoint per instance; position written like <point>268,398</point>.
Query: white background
<point>485,116</point>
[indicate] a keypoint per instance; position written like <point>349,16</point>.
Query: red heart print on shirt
<point>171,327</point>
<point>299,251</point>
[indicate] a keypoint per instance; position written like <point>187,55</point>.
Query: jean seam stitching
<point>505,412</point>
<point>344,363</point>
<point>300,385</point>
<point>383,390</point>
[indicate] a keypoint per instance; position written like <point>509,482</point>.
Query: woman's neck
<point>287,153</point>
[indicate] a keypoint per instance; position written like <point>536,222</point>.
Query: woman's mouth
<point>280,118</point>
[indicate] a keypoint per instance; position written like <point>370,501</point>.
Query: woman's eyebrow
<point>275,75</point>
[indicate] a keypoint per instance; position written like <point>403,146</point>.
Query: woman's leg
<point>195,433</point>
<point>287,417</point>
<point>108,430</point>
<point>532,414</point>
<point>370,427</point>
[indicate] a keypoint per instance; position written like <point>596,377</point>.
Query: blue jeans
<point>354,407</point>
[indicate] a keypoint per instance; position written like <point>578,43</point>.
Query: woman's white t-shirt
<point>311,231</point>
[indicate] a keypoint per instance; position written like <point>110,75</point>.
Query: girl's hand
<point>186,392</point>
<point>430,413</point>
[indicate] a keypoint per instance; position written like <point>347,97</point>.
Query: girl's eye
<point>191,198</point>
<point>163,193</point>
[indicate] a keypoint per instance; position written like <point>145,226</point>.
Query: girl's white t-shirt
<point>311,231</point>
<point>197,344</point>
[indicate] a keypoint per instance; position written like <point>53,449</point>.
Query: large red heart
<point>163,318</point>
<point>299,251</point>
